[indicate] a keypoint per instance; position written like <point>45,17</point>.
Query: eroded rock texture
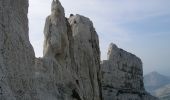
<point>16,52</point>
<point>122,76</point>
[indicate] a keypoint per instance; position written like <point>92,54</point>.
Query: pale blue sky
<point>141,27</point>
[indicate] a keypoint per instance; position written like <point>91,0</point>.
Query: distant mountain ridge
<point>155,80</point>
<point>158,85</point>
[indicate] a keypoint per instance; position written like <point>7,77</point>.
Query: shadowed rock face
<point>16,52</point>
<point>70,68</point>
<point>122,76</point>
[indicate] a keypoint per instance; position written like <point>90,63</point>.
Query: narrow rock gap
<point>75,95</point>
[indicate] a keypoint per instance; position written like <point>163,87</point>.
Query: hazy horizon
<point>139,27</point>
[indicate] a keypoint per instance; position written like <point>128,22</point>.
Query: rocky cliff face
<point>16,52</point>
<point>86,55</point>
<point>122,76</point>
<point>70,68</point>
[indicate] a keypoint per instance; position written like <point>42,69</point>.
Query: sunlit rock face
<point>16,52</point>
<point>55,33</point>
<point>87,56</point>
<point>54,72</point>
<point>122,76</point>
<point>71,51</point>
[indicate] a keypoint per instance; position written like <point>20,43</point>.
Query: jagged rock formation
<point>86,55</point>
<point>122,76</point>
<point>70,68</point>
<point>54,71</point>
<point>55,32</point>
<point>71,58</point>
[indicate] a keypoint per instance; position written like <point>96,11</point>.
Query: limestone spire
<point>55,32</point>
<point>56,8</point>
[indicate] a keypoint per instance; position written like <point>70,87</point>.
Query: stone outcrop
<point>70,67</point>
<point>55,33</point>
<point>54,72</point>
<point>122,76</point>
<point>86,56</point>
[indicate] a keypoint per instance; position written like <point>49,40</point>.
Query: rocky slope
<point>163,93</point>
<point>70,67</point>
<point>122,76</point>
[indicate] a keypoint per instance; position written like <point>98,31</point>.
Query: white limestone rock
<point>87,56</point>
<point>70,68</point>
<point>55,33</point>
<point>62,59</point>
<point>122,76</point>
<point>55,71</point>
